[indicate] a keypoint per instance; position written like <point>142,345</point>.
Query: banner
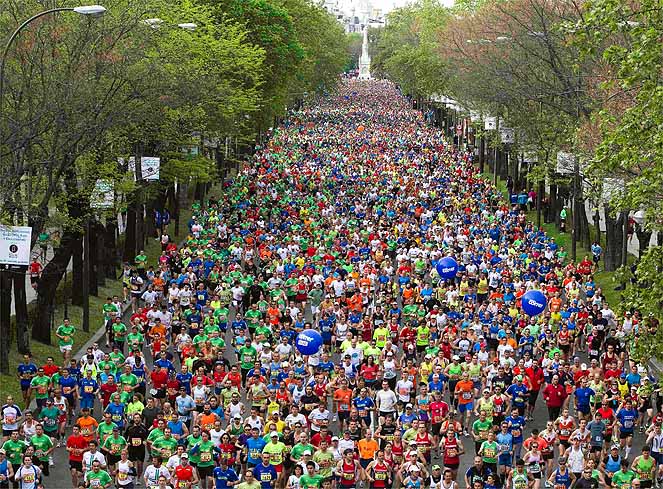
<point>507,135</point>
<point>490,123</point>
<point>15,245</point>
<point>149,167</point>
<point>103,195</point>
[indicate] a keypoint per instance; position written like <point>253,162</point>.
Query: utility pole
<point>86,275</point>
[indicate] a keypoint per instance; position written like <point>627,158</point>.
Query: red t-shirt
<point>79,443</point>
<point>107,390</point>
<point>183,473</point>
<point>159,378</point>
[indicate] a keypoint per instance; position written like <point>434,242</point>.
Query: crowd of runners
<point>336,225</point>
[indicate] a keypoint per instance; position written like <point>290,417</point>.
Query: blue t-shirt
<point>518,393</point>
<point>626,420</point>
<point>222,477</point>
<point>254,447</point>
<point>265,475</point>
<point>86,385</point>
<point>582,396</point>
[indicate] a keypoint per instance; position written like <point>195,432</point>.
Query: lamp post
<point>5,283</point>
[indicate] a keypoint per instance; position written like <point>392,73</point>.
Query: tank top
<point>451,452</point>
<point>389,368</point>
<point>563,479</point>
<point>348,474</point>
<point>380,474</point>
<point>576,460</point>
<point>123,476</point>
<point>199,394</point>
<point>612,465</point>
<point>397,452</point>
<point>423,443</point>
<point>643,468</point>
<point>565,427</point>
<point>519,481</point>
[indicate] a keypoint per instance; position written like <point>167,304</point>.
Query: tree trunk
<point>614,230</point>
<point>644,237</point>
<point>93,258</point>
<point>597,225</point>
<point>48,284</point>
<point>5,318</point>
<point>130,251</point>
<point>22,320</point>
<point>552,210</point>
<point>77,270</point>
<point>111,253</point>
<point>140,225</point>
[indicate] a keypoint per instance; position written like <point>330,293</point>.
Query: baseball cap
<point>306,452</point>
<point>334,438</point>
<point>436,467</point>
<point>408,405</point>
<point>184,455</point>
<point>274,434</point>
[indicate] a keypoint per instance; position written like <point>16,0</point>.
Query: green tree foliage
<point>408,50</point>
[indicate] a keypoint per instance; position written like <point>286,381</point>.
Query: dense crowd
<point>337,225</point>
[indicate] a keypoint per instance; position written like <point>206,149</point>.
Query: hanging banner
<point>507,135</point>
<point>150,166</point>
<point>103,195</point>
<point>15,245</point>
<point>490,124</point>
<point>565,163</point>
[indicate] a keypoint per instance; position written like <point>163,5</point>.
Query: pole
<point>576,211</point>
<point>86,276</point>
<point>5,282</point>
<point>497,131</point>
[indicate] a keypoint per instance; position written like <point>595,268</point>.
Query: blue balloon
<point>533,302</point>
<point>308,342</point>
<point>447,268</point>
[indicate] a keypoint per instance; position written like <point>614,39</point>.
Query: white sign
<point>507,135</point>
<point>565,163</point>
<point>149,167</point>
<point>15,245</point>
<point>103,195</point>
<point>490,123</point>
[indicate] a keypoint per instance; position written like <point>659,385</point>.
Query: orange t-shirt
<point>343,397</point>
<point>88,427</point>
<point>465,391</point>
<point>367,448</point>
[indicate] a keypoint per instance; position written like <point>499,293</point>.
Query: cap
<point>184,455</point>
<point>408,405</point>
<point>334,438</point>
<point>306,452</point>
<point>614,447</point>
<point>2,450</point>
<point>455,357</point>
<point>436,467</point>
<point>237,416</point>
<point>274,434</point>
<point>415,468</point>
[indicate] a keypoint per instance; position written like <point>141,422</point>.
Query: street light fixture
<point>92,11</point>
<point>188,26</point>
<point>155,23</point>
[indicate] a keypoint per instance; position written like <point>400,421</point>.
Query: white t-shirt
<point>152,474</point>
<point>386,400</point>
<point>89,458</point>
<point>29,475</point>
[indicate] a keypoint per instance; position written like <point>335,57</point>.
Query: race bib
<point>88,389</point>
<point>205,456</point>
<point>136,442</point>
<point>66,390</point>
<point>41,389</point>
<point>122,476</point>
<point>29,478</point>
<point>467,395</point>
<point>380,476</point>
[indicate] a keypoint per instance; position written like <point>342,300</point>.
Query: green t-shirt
<point>141,261</point>
<point>191,441</point>
<point>115,445</point>
<point>253,317</point>
<point>49,418</point>
<point>40,384</point>
<point>41,444</point>
<point>67,331</point>
<point>325,461</point>
<point>247,357</point>
<point>119,331</point>
<point>108,310</point>
<point>105,429</point>
<point>482,428</point>
<point>275,451</point>
<point>136,339</point>
<point>205,454</point>
<point>298,449</point>
<point>490,451</point>
<point>310,481</point>
<point>15,450</point>
<point>623,479</point>
<point>163,443</point>
<point>98,479</point>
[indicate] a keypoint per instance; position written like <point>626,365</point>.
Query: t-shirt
<point>68,332</point>
<point>41,444</point>
<point>310,481</point>
<point>29,476</point>
<point>275,451</point>
<point>14,450</point>
<point>98,479</point>
<point>265,475</point>
<point>222,477</point>
<point>40,384</point>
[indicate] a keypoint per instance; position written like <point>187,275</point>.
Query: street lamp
<point>87,10</point>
